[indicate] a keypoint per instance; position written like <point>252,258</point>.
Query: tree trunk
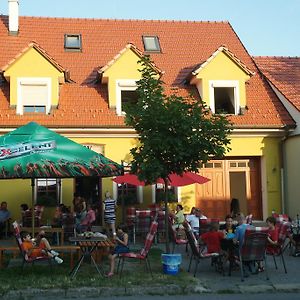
<point>166,217</point>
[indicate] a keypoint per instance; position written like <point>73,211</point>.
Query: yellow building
<point>75,77</point>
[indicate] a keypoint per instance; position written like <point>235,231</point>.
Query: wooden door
<point>211,196</point>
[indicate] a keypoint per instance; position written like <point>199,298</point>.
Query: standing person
<point>121,247</point>
<point>234,207</point>
<point>4,217</point>
<point>109,208</point>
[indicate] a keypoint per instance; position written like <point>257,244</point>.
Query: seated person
<point>4,217</point>
<point>178,217</point>
<point>121,247</point>
<point>213,238</point>
<point>273,234</point>
<point>193,220</point>
<point>228,228</point>
<point>240,230</point>
<point>57,218</point>
<point>88,220</point>
<point>39,248</point>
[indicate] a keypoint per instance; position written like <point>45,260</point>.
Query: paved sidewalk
<point>209,281</point>
<point>278,279</point>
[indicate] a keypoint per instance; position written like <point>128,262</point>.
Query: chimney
<point>13,17</point>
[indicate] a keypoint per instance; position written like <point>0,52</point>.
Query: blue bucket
<point>171,263</point>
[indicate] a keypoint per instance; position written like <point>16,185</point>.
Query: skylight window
<point>151,44</point>
<point>73,42</point>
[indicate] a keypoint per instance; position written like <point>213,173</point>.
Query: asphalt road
<point>269,296</point>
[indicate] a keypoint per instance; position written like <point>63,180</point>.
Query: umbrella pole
<point>33,201</point>
<point>123,205</point>
<point>166,217</point>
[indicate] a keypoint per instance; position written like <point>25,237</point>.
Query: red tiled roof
<point>84,103</point>
<point>284,74</point>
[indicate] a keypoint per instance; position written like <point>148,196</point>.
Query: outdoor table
<point>87,247</point>
<point>230,247</point>
<point>47,229</point>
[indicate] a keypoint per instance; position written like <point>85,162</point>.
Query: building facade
<point>73,75</point>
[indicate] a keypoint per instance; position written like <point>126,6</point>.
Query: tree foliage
<point>176,134</point>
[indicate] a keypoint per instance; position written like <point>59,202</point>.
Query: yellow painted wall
<point>118,149</point>
<point>292,169</point>
<point>33,64</point>
<point>222,68</point>
<point>125,68</point>
<point>15,192</point>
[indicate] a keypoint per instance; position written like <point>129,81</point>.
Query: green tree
<point>176,134</point>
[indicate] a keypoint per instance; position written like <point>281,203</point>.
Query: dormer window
<point>33,95</point>
<point>126,93</point>
<point>224,97</point>
<point>34,109</point>
<point>151,44</point>
<point>73,42</point>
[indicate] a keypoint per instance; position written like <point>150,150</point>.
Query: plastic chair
<point>281,217</point>
<point>26,258</point>
<point>197,255</point>
<point>142,255</point>
<point>278,250</point>
<point>142,222</point>
<point>130,219</point>
<point>174,238</point>
<point>253,249</point>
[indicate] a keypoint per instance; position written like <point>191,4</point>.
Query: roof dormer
<point>34,78</point>
<point>121,75</point>
<point>221,80</point>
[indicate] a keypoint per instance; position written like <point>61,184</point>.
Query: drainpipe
<point>283,170</point>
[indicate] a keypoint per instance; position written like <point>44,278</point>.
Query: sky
<point>265,27</point>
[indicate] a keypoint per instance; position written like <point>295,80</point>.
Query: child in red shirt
<point>273,235</point>
<point>213,238</point>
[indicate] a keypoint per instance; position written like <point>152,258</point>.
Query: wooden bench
<point>16,252</point>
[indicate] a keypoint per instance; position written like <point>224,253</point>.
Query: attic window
<point>151,44</point>
<point>73,42</point>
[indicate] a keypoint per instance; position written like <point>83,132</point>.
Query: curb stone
<point>261,288</point>
<point>287,287</point>
<point>84,292</point>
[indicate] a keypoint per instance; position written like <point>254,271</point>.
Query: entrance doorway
<point>91,190</point>
<point>238,189</point>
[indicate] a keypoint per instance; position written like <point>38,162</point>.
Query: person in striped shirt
<point>110,212</point>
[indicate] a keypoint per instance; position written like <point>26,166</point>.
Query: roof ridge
<point>275,56</point>
<point>131,20</point>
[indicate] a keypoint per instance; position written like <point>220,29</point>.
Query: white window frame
<point>224,84</point>
<point>123,85</point>
<point>33,81</point>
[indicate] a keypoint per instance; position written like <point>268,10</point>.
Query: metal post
<point>32,204</point>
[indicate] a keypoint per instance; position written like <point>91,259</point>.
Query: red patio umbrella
<point>128,178</point>
<point>187,178</point>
